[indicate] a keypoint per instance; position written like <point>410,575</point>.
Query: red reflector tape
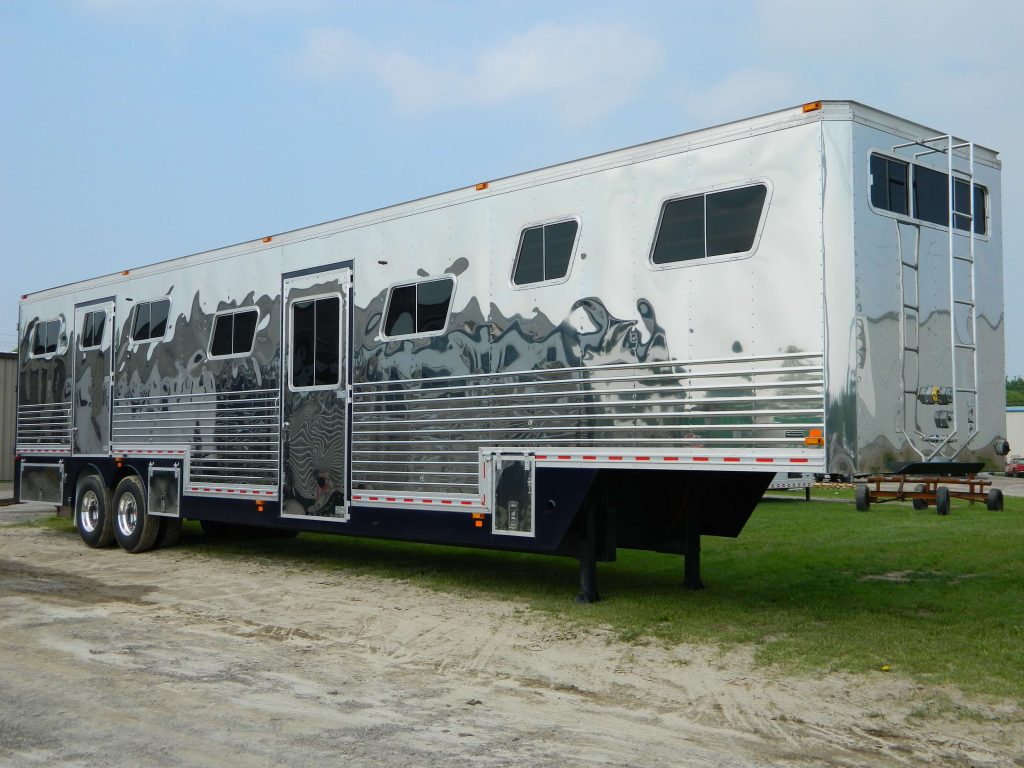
<point>730,458</point>
<point>538,456</point>
<point>700,458</point>
<point>391,498</point>
<point>407,501</point>
<point>799,461</point>
<point>590,458</point>
<point>467,503</point>
<point>446,501</point>
<point>614,458</point>
<point>670,458</point>
<point>765,461</point>
<point>643,458</point>
<point>564,458</point>
<point>375,498</point>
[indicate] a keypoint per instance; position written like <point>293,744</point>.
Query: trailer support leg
<point>691,552</point>
<point>588,559</point>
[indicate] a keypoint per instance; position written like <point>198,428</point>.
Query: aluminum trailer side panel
<point>590,381</point>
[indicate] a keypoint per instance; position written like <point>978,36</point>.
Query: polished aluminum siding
<point>745,353</point>
<point>425,434</point>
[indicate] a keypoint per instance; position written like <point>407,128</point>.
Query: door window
<point>316,343</point>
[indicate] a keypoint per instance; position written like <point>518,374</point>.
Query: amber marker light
<point>482,186</point>
<point>125,271</point>
<point>815,437</point>
<point>267,239</point>
<point>812,106</point>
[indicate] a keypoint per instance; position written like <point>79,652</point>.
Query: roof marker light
<point>482,186</point>
<point>812,106</point>
<point>267,239</point>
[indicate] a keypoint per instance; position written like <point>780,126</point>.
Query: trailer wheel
<point>134,530</point>
<point>169,533</point>
<point>862,497</point>
<point>942,500</point>
<point>919,503</point>
<point>994,500</point>
<point>93,517</point>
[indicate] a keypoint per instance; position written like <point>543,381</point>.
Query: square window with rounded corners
<point>721,223</point>
<point>92,329</point>
<point>45,338</point>
<point>545,253</point>
<point>149,321</point>
<point>418,309</point>
<point>234,333</point>
<point>315,345</point>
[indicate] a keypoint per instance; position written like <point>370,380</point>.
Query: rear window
<point>915,190</point>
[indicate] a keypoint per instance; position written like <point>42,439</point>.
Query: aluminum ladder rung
<point>968,391</point>
<point>912,306</point>
<point>908,265</point>
<point>965,346</point>
<point>964,302</point>
<point>966,259</point>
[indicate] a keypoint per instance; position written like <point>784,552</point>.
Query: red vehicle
<point>1015,466</point>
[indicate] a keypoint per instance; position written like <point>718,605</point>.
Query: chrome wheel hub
<point>89,512</point>
<point>127,514</point>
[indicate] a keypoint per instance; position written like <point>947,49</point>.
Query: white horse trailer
<point>620,351</point>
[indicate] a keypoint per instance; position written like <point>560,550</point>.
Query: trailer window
<point>150,320</point>
<point>45,338</point>
<point>713,224</point>
<point>92,329</point>
<point>544,252</point>
<point>892,180</point>
<point>233,333</point>
<point>889,184</point>
<point>418,308</point>
<point>316,342</point>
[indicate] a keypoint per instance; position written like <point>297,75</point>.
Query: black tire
<point>942,500</point>
<point>93,516</point>
<point>862,497</point>
<point>134,530</point>
<point>994,500</point>
<point>169,533</point>
<point>919,503</point>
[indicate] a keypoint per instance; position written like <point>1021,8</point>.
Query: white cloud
<point>582,70</point>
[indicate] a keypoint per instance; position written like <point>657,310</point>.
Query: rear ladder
<point>962,299</point>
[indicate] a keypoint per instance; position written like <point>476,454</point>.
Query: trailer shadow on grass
<point>812,587</point>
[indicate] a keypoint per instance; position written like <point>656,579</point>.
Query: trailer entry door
<point>92,361</point>
<point>314,395</point>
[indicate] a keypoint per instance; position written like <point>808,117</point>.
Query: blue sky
<point>136,131</point>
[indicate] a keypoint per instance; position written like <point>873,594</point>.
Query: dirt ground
<point>174,658</point>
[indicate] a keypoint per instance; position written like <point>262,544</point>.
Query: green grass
<point>812,587</point>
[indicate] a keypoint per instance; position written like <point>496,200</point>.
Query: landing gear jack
<point>588,560</point>
<point>691,553</point>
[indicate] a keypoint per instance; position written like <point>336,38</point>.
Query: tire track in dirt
<point>194,660</point>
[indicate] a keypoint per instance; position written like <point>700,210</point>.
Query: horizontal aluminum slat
<point>631,366</point>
